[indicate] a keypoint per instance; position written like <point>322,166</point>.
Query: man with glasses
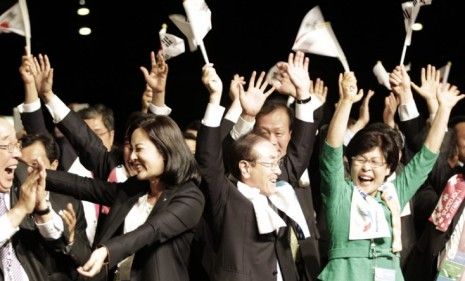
<point>252,220</point>
<point>21,234</point>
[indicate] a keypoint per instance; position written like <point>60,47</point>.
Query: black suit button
<point>275,272</point>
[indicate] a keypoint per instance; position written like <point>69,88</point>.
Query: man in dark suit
<point>248,247</point>
<point>42,245</point>
<point>428,252</point>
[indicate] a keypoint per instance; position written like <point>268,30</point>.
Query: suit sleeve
<point>181,214</point>
<point>300,149</point>
<point>92,153</point>
<point>82,188</point>
<point>209,156</point>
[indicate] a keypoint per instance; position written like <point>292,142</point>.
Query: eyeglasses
<point>270,164</point>
<point>375,163</point>
<point>11,147</point>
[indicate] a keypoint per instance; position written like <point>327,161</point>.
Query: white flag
<point>381,75</point>
<point>16,20</point>
<point>444,71</point>
<point>171,45</point>
<point>199,16</point>
<point>316,36</point>
<point>181,22</point>
<point>409,19</point>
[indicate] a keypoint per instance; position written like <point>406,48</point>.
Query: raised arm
<point>348,96</point>
<point>447,96</point>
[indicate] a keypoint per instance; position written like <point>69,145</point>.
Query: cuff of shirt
<point>52,229</point>
<point>29,107</point>
<point>233,114</point>
<point>348,135</point>
<point>7,229</point>
<point>160,110</point>
<point>213,115</point>
<point>58,109</point>
<point>241,128</point>
<point>304,111</point>
<point>408,111</point>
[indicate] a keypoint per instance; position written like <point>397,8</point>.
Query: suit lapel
<point>118,212</point>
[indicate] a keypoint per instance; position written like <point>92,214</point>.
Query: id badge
<point>384,274</point>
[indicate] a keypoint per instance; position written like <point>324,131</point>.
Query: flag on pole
<point>316,36</point>
<point>199,17</point>
<point>444,71</point>
<point>171,45</point>
<point>16,20</point>
<point>197,24</point>
<point>381,75</point>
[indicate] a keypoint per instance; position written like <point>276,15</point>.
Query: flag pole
<point>402,57</point>
<point>204,51</point>
<point>27,25</point>
<point>445,77</point>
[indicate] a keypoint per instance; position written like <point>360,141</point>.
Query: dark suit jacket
<point>296,160</point>
<point>421,264</point>
<point>162,244</point>
<point>45,260</point>
<point>241,252</point>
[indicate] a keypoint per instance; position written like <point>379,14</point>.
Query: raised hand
<point>253,99</point>
<point>448,96</point>
<point>156,79</point>
<point>43,73</point>
<point>297,69</point>
<point>234,87</point>
<point>400,84</point>
<point>364,114</point>
<point>319,90</point>
<point>390,107</point>
<point>69,218</point>
<point>281,80</point>
<point>95,263</point>
<point>212,82</point>
<point>348,88</point>
<point>430,82</point>
<point>25,69</point>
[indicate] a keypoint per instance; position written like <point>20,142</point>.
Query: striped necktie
<point>12,269</point>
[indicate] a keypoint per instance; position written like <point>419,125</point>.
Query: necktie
<point>11,267</point>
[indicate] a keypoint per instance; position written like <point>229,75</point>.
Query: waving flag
<point>316,36</point>
<point>171,45</point>
<point>16,20</point>
<point>410,9</point>
<point>381,75</point>
<point>197,24</point>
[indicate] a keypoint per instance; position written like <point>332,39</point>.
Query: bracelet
<point>42,212</point>
<point>303,101</point>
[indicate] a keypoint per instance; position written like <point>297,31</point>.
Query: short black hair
<point>96,110</point>
<point>52,149</point>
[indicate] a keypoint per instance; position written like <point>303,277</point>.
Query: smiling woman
<point>152,214</point>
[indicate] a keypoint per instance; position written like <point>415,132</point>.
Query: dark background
<point>247,35</point>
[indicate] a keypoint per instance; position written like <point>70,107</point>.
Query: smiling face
<point>262,172</point>
<point>369,170</point>
<point>275,126</point>
<point>145,157</point>
<point>8,162</point>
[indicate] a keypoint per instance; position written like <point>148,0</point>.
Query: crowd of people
<point>264,191</point>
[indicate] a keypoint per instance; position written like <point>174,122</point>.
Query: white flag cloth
<point>444,71</point>
<point>171,45</point>
<point>409,19</point>
<point>381,75</point>
<point>199,16</point>
<point>16,20</point>
<point>181,22</point>
<point>316,36</point>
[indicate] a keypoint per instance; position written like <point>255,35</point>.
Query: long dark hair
<point>180,165</point>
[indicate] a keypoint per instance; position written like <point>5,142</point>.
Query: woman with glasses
<point>363,211</point>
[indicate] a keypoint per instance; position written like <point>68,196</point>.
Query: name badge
<point>384,274</point>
